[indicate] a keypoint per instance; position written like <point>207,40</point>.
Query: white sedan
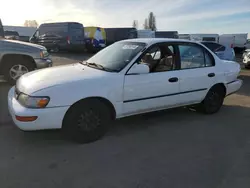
<point>127,78</point>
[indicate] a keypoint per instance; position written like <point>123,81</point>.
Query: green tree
<point>135,24</point>
<point>146,25</point>
<point>152,21</point>
<point>30,23</point>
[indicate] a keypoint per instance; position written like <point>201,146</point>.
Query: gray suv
<point>18,58</point>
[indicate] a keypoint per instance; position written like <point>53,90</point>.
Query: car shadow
<point>245,89</point>
<point>150,124</point>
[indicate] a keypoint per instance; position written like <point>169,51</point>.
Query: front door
<point>155,90</point>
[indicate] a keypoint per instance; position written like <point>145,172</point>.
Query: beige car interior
<point>165,63</point>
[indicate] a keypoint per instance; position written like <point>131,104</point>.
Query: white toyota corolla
<point>127,78</point>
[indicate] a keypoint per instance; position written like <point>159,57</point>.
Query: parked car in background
<point>95,38</point>
<point>11,35</point>
<point>223,52</point>
<point>18,58</point>
<point>239,41</point>
<point>200,37</point>
<point>166,34</point>
<point>117,34</point>
<point>246,58</point>
<point>24,32</point>
<point>60,36</point>
<point>135,76</point>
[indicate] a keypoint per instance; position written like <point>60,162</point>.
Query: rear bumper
<point>234,86</point>
<point>43,63</point>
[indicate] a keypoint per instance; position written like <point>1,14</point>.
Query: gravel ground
<point>174,148</point>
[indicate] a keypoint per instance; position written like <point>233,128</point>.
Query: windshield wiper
<point>98,66</point>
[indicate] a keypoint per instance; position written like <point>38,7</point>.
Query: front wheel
<point>86,121</point>
<point>213,100</point>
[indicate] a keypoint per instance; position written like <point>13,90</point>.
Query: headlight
<point>33,102</point>
<point>44,53</point>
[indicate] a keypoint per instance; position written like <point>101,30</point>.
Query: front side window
<point>115,57</point>
<point>160,58</point>
<point>193,56</point>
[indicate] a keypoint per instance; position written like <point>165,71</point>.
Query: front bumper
<point>43,63</point>
<point>234,86</point>
<point>47,118</point>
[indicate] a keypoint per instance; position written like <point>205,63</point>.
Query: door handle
<point>174,79</point>
<point>211,75</point>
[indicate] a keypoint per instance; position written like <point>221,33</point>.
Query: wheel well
<point>13,57</point>
<point>101,100</point>
<point>221,85</point>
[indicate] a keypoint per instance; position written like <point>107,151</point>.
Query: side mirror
<point>139,69</point>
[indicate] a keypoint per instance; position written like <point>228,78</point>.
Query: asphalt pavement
<point>173,148</point>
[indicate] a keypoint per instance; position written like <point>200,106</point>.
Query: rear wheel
<point>213,100</point>
<point>14,70</point>
<point>86,121</point>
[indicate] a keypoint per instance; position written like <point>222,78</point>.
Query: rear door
<point>197,72</point>
<point>53,34</point>
<point>76,36</point>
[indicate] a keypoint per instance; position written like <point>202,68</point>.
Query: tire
<point>247,66</point>
<point>24,66</point>
<point>213,100</point>
<point>78,128</point>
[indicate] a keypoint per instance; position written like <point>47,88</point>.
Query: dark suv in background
<point>67,36</point>
<point>11,35</point>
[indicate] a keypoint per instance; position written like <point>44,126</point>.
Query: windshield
<point>118,55</point>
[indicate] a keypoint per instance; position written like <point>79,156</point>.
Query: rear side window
<point>194,56</point>
<point>76,32</point>
<point>214,47</point>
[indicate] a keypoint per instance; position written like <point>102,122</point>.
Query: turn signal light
<point>26,118</point>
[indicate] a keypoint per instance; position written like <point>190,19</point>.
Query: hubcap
<point>88,121</point>
<point>18,70</point>
<point>214,100</point>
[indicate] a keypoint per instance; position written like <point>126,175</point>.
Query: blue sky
<point>185,16</point>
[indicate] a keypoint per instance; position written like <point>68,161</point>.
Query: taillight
<point>68,40</point>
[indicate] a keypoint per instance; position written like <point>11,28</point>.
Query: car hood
<point>49,77</point>
<point>20,43</point>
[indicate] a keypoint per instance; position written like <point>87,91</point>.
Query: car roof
<point>150,41</point>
